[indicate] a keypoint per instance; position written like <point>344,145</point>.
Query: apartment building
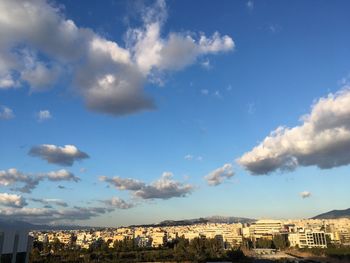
<point>263,228</point>
<point>308,238</point>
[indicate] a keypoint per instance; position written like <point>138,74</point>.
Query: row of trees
<point>181,249</point>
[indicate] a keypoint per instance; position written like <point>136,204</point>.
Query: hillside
<point>334,214</point>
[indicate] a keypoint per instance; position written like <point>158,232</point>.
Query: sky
<point>121,112</point>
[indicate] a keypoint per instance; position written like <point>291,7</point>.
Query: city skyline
<point>132,113</point>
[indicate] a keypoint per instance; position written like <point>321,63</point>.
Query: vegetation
<point>278,242</point>
<point>334,252</point>
<point>197,250</point>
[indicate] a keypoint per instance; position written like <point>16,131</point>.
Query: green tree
<point>264,243</point>
<point>280,241</point>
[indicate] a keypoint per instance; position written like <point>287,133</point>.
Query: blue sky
<point>211,103</point>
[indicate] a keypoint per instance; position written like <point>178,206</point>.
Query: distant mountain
<point>16,224</point>
<point>229,219</point>
<point>334,214</point>
<point>202,220</point>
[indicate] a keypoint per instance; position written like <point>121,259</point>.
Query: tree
<point>280,242</point>
<point>264,243</point>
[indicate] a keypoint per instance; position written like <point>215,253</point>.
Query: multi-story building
<point>308,238</point>
<point>158,239</point>
<point>264,228</point>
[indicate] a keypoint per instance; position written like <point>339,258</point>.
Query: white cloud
<point>6,113</point>
<point>217,176</point>
<point>163,188</point>
<point>12,200</point>
<point>44,115</point>
<point>123,183</point>
<point>305,194</point>
<point>206,64</point>
<point>65,155</point>
<point>30,181</point>
<point>110,78</point>
<point>322,140</point>
<point>118,203</point>
<point>190,157</point>
<point>39,75</point>
<point>60,175</point>
<point>7,82</point>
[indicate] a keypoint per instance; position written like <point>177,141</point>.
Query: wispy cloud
<point>206,64</point>
<point>204,92</point>
<point>49,201</point>
<point>44,115</point>
<point>218,176</point>
<point>6,113</point>
<point>250,5</point>
<point>190,157</point>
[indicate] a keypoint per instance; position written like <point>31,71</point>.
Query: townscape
<point>260,237</point>
<point>306,233</point>
<point>116,115</point>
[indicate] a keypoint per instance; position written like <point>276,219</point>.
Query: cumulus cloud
<point>305,194</point>
<point>118,203</point>
<point>163,188</point>
<point>53,216</point>
<point>322,140</point>
<point>109,77</point>
<point>217,176</point>
<point>65,155</point>
<point>49,202</point>
<point>12,200</point>
<point>6,113</point>
<point>28,182</point>
<point>60,175</point>
<point>44,115</point>
<point>123,183</point>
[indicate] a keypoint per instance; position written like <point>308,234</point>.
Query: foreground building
<point>15,245</point>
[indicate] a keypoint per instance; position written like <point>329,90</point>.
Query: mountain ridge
<point>334,214</point>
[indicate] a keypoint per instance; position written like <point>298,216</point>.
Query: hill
<point>334,214</point>
<point>16,224</point>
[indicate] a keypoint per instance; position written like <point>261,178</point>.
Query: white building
<point>308,239</point>
<point>265,227</point>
